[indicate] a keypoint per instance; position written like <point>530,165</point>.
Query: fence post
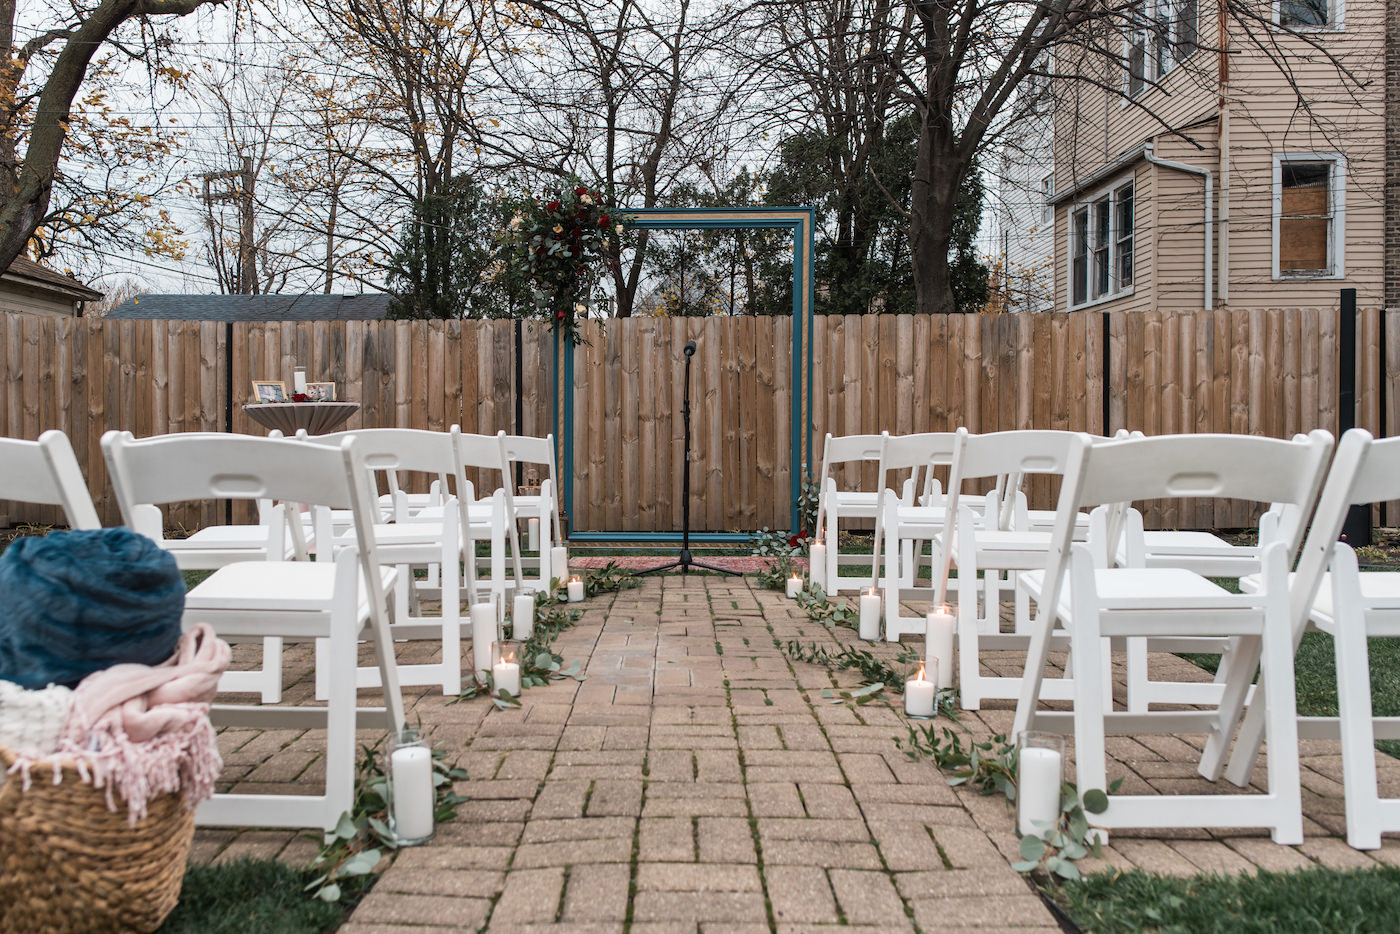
<point>1356,530</point>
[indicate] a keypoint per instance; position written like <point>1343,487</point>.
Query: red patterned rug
<point>746,564</point>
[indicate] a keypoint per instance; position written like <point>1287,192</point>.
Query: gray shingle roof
<point>256,307</point>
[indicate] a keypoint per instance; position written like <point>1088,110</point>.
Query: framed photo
<point>269,390</point>
<point>320,392</point>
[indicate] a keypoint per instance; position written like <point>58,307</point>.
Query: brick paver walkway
<point>699,782</point>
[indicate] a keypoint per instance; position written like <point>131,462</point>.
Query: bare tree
<point>38,85</point>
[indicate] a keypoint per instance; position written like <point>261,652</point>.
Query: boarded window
<point>1305,218</point>
<point>1304,14</point>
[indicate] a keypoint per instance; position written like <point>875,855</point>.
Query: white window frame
<point>1116,289</point>
<point>1336,194</point>
<point>1047,199</point>
<point>1336,19</point>
<point>1153,45</point>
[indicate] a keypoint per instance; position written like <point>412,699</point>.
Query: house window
<point>1309,215</point>
<point>1047,199</point>
<point>1101,247</point>
<point>1167,36</point>
<point>1308,14</point>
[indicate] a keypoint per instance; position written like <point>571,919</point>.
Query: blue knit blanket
<point>72,603</point>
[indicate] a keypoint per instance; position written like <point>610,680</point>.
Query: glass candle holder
<point>921,691</point>
<point>505,666</point>
<point>411,795</point>
<point>1039,777</point>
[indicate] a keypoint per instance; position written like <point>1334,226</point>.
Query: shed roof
<point>27,272</point>
<point>256,307</point>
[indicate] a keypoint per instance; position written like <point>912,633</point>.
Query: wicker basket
<point>67,864</point>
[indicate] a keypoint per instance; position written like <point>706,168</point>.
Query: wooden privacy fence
<point>1261,371</point>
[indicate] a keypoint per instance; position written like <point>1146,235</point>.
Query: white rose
<point>580,309</point>
<point>618,228</point>
<point>585,199</point>
<point>515,222</point>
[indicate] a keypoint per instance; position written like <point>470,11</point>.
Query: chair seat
<point>1141,588</point>
<point>1379,589</point>
<point>306,586</point>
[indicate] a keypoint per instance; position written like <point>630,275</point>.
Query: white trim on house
<point>1336,194</point>
<point>1336,19</point>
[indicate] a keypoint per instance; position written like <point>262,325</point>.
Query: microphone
<point>690,348</point>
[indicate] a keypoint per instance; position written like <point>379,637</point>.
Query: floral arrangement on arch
<point>567,239</point>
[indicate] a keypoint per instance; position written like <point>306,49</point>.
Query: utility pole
<point>247,281</point>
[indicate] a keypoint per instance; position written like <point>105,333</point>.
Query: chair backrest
<point>392,450</point>
<point>1364,471</point>
<point>525,449</point>
<point>919,454</point>
<point>485,452</point>
<point>46,472</point>
<point>1177,466</point>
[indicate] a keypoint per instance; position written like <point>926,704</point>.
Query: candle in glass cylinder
<point>575,590</point>
<point>522,617</point>
<point>299,379</point>
<point>411,778</point>
<point>817,566</point>
<point>558,562</point>
<point>920,693</point>
<point>505,672</point>
<point>794,586</point>
<point>533,533</point>
<point>1038,780</point>
<point>870,615</point>
<point>483,635</point>
<point>938,645</point>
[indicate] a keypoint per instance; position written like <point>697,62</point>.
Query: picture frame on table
<point>269,390</point>
<point>320,392</point>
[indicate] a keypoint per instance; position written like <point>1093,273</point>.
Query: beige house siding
<point>14,297</point>
<point>1093,128</point>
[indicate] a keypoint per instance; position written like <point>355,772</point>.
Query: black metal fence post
<point>1356,530</point>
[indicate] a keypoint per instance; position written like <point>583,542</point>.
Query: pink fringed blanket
<point>145,731</point>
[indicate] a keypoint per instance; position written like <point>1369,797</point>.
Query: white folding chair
<point>836,506</point>
<point>46,473</point>
<point>1095,603</point>
<point>543,506</point>
<point>335,599</point>
<point>976,545</point>
<point>1331,595</point>
<point>909,518</point>
<point>410,543</point>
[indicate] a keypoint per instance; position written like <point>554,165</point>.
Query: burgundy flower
<point>552,206</point>
<point>580,191</point>
<point>604,221</point>
<point>798,540</point>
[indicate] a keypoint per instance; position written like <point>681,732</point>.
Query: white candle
<point>870,615</point>
<point>483,634</point>
<point>299,379</point>
<point>938,645</point>
<point>558,561</point>
<point>1037,790</point>
<point>817,569</point>
<point>506,676</point>
<point>411,769</point>
<point>794,586</point>
<point>522,616</point>
<point>919,694</point>
<point>533,534</point>
<point>575,590</point>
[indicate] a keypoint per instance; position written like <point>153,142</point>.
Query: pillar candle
<point>794,586</point>
<point>919,695</point>
<point>559,562</point>
<point>483,634</point>
<point>817,569</point>
<point>522,616</point>
<point>870,615</point>
<point>938,645</point>
<point>1037,789</point>
<point>575,590</point>
<point>411,771</point>
<point>299,379</point>
<point>506,676</point>
<point>533,533</point>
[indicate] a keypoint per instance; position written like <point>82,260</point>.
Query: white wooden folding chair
<point>410,543</point>
<point>1331,595</point>
<point>336,599</point>
<point>1095,603</point>
<point>907,519</point>
<point>974,544</point>
<point>543,506</point>
<point>836,506</point>
<point>46,473</point>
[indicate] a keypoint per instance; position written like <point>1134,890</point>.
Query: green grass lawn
<point>249,895</point>
<point>1308,900</point>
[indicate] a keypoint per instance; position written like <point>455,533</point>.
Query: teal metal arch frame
<point>802,222</point>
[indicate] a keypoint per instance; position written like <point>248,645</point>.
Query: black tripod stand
<point>686,562</point>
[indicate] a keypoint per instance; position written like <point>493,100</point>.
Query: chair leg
<point>272,670</point>
<point>1137,675</point>
<point>1363,803</point>
<point>340,718</point>
<point>1246,723</point>
<point>833,556</point>
<point>969,673</point>
<point>1281,711</point>
<point>451,611</point>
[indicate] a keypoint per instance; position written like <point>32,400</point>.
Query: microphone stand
<point>686,562</point>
